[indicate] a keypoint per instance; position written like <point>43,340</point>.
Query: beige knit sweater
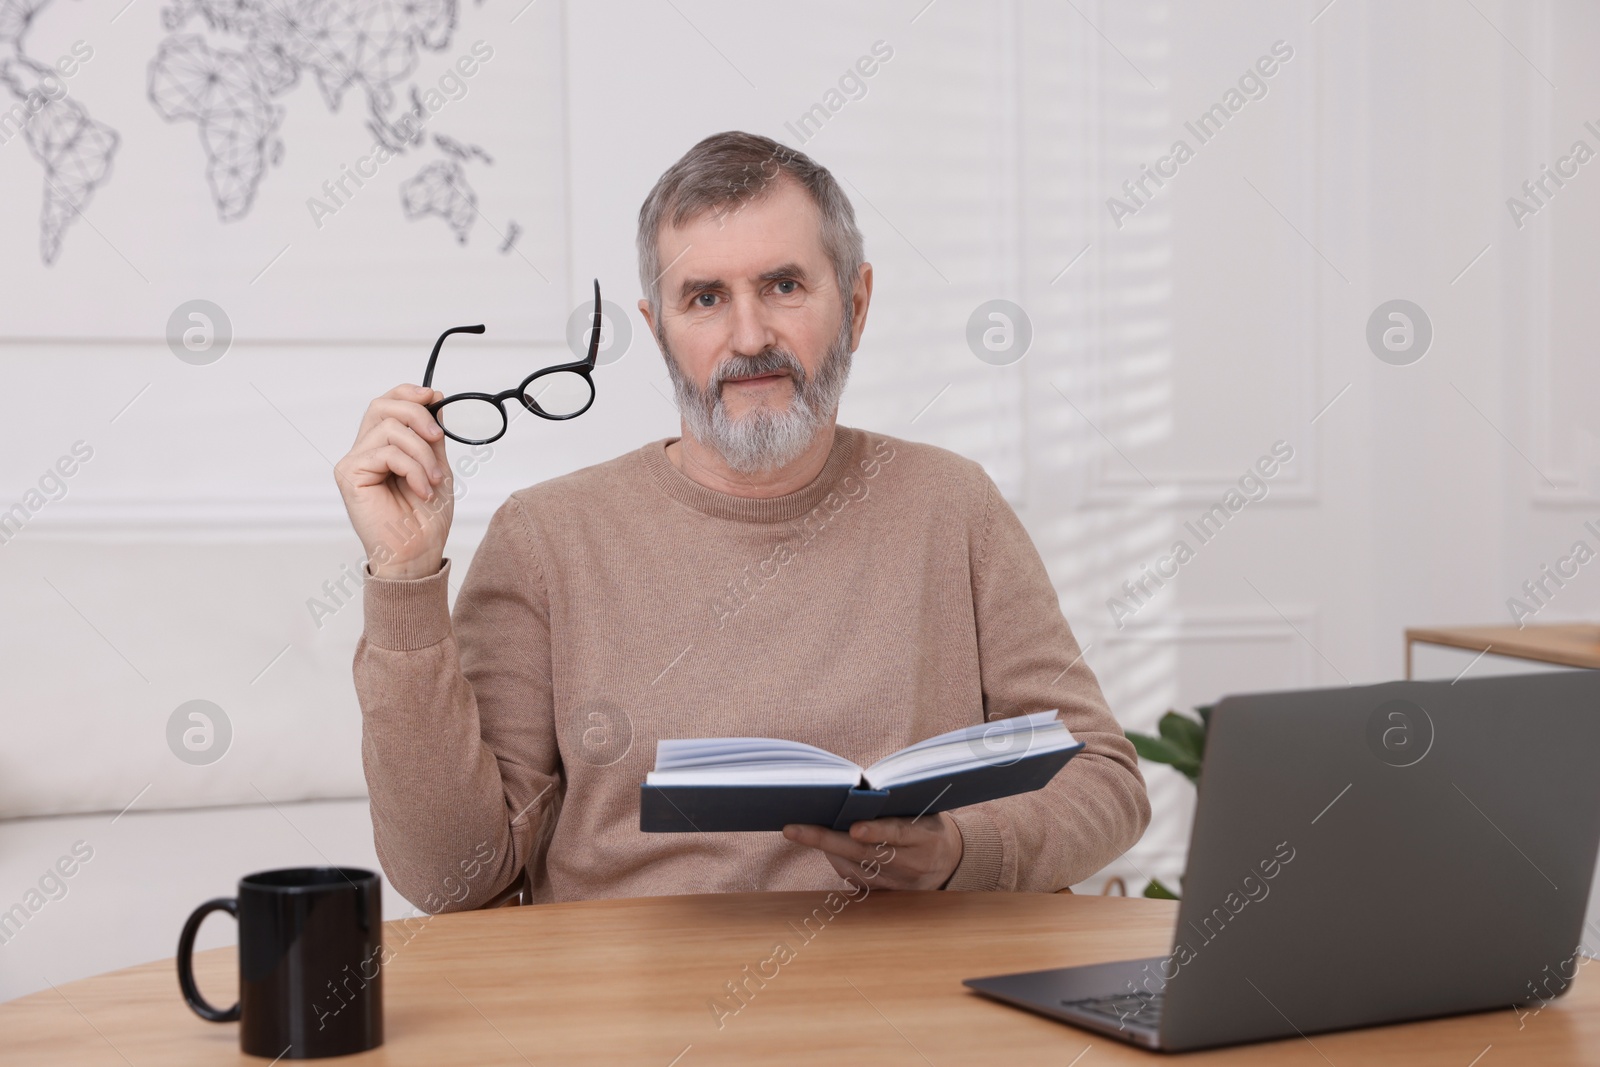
<point>895,597</point>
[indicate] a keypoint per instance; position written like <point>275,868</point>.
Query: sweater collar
<point>680,487</point>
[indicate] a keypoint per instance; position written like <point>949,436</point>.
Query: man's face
<point>752,326</point>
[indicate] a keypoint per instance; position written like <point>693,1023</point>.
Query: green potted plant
<point>1181,744</point>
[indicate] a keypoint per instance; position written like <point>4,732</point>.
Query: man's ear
<point>860,297</point>
<point>649,320</point>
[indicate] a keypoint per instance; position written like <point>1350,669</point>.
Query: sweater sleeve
<point>458,744</point>
<point>1096,807</point>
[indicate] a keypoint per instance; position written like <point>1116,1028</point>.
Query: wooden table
<point>631,982</point>
<point>1564,644</point>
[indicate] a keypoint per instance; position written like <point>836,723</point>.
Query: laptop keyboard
<point>1139,1010</point>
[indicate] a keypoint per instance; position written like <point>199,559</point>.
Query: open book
<point>762,783</point>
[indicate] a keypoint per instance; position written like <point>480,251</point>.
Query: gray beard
<point>763,439</point>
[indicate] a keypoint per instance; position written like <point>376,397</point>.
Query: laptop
<point>1362,856</point>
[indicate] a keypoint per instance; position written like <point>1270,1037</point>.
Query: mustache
<point>773,359</point>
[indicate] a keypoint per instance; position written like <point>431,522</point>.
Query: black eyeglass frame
<point>583,368</point>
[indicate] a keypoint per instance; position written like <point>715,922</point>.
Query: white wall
<point>1169,354</point>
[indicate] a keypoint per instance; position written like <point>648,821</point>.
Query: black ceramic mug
<point>310,962</point>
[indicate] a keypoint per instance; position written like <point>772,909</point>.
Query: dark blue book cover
<point>719,808</point>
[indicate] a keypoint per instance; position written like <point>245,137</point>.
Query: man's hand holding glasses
<point>396,481</point>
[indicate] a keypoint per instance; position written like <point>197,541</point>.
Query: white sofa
<point>146,871</point>
<point>120,637</point>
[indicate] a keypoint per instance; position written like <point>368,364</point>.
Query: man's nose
<point>749,324</point>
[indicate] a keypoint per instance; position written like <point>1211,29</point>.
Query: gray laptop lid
<point>1382,853</point>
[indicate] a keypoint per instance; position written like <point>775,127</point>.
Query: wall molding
<point>159,518</point>
<point>1569,492</point>
<point>1111,482</point>
<point>1228,626</point>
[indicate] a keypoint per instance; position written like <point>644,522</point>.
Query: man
<point>767,573</point>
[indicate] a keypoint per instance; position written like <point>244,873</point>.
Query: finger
<point>832,842</point>
<point>870,874</point>
<point>405,394</point>
<point>411,409</point>
<point>857,870</point>
<point>377,465</point>
<point>861,882</point>
<point>414,415</point>
<point>402,436</point>
<point>847,870</point>
<point>371,467</point>
<point>894,831</point>
<point>417,394</point>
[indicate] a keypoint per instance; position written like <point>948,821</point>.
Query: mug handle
<point>191,992</point>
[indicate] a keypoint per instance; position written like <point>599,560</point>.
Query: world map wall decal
<point>231,95</point>
<point>74,150</point>
<point>251,152</point>
<point>367,45</point>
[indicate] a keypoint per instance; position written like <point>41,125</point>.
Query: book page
<point>998,743</point>
<point>748,760</point>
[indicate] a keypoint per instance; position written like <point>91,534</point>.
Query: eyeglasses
<point>563,391</point>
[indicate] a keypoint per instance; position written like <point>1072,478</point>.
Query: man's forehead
<point>745,242</point>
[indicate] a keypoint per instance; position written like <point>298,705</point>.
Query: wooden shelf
<point>1564,644</point>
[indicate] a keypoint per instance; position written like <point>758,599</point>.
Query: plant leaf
<point>1156,749</point>
<point>1184,734</point>
<point>1204,711</point>
<point>1159,750</point>
<point>1156,891</point>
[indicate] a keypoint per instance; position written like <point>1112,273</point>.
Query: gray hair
<point>727,170</point>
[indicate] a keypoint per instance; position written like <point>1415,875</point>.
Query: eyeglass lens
<point>560,393</point>
<point>472,419</point>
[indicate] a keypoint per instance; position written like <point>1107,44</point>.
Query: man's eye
<point>704,296</point>
<point>787,281</point>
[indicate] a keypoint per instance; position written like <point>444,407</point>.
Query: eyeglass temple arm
<point>427,377</point>
<point>594,331</point>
